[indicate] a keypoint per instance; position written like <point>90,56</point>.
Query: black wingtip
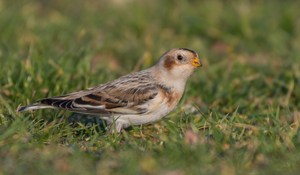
<point>21,108</point>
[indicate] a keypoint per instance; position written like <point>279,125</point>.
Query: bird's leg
<point>118,127</point>
<point>114,125</point>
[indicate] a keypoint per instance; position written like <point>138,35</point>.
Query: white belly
<point>158,109</point>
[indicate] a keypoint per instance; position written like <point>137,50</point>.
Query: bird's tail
<point>33,107</point>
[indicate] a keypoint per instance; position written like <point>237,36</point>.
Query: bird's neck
<point>168,80</point>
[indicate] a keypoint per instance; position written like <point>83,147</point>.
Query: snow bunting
<point>134,99</point>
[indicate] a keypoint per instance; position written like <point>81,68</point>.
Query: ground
<point>239,115</point>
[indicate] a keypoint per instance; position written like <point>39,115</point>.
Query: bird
<point>133,99</point>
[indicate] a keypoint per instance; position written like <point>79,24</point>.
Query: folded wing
<point>127,95</point>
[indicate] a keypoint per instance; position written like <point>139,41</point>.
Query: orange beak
<point>196,62</point>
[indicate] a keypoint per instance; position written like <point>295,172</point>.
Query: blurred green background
<point>239,115</point>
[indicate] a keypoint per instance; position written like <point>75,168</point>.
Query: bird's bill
<point>196,62</point>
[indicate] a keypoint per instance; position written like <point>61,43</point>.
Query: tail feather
<point>33,107</point>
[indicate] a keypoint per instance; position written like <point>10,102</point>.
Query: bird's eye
<point>179,57</point>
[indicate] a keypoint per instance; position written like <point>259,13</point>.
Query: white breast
<point>157,109</point>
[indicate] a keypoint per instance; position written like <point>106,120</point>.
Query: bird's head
<point>179,62</point>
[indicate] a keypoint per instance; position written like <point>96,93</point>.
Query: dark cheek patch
<point>169,63</point>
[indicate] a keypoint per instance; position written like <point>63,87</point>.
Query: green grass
<point>239,115</point>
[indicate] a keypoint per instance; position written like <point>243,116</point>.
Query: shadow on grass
<point>77,119</point>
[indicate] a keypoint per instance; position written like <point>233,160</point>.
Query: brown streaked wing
<point>120,100</point>
<point>125,95</point>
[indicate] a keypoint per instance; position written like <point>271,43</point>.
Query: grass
<point>239,115</point>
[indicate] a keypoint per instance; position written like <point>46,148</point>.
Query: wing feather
<point>126,95</point>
